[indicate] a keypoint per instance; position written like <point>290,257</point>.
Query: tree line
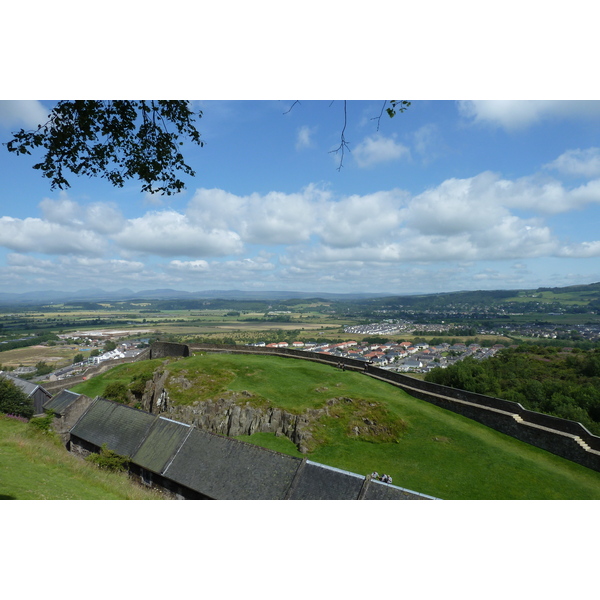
<point>542,379</point>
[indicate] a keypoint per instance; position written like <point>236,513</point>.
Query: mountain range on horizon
<point>98,295</point>
<point>54,296</point>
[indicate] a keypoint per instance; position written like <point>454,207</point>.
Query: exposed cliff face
<point>155,397</point>
<point>229,415</point>
<point>234,413</point>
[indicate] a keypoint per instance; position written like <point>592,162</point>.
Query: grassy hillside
<point>34,466</point>
<point>423,447</point>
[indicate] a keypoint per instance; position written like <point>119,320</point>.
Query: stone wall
<point>62,423</point>
<point>168,349</point>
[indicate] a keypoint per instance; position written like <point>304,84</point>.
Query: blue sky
<point>450,195</point>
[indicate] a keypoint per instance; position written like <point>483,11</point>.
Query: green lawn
<point>427,449</point>
<point>34,466</point>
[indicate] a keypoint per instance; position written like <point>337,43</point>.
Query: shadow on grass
<point>3,497</point>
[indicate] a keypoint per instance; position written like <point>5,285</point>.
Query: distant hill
<point>98,295</point>
<point>584,293</point>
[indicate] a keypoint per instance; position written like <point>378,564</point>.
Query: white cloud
<point>99,217</point>
<point>273,219</point>
<point>24,263</point>
<point>63,211</point>
<point>579,163</point>
<point>36,235</point>
<point>358,219</point>
<point>22,113</point>
<point>314,237</point>
<point>583,250</point>
<point>519,114</point>
<point>279,218</point>
<point>75,272</point>
<point>189,265</point>
<point>484,198</point>
<point>246,264</point>
<point>378,149</point>
<point>304,137</point>
<point>107,268</point>
<point>456,205</point>
<point>427,142</point>
<point>103,218</point>
<point>170,233</point>
<point>66,228</point>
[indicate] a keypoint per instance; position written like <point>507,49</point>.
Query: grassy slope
<point>437,452</point>
<point>34,466</point>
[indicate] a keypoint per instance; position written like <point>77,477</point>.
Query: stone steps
<point>582,443</point>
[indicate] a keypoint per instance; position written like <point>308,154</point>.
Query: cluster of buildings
<point>396,356</point>
<point>587,331</point>
<point>534,329</point>
<point>124,350</point>
<point>387,327</point>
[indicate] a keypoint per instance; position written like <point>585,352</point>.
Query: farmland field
<point>31,355</point>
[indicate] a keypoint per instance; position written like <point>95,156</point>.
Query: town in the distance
<point>62,338</point>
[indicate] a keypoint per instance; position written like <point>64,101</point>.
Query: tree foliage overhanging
<point>116,140</point>
<point>124,139</point>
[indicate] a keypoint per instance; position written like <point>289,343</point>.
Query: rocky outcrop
<point>155,396</point>
<point>235,413</point>
<point>229,415</point>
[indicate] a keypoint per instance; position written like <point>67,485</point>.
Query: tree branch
<point>343,143</point>
<point>378,119</point>
<point>292,106</point>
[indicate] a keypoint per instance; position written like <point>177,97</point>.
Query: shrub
<point>13,400</point>
<point>43,423</point>
<point>138,384</point>
<point>43,368</point>
<point>117,391</point>
<point>109,460</point>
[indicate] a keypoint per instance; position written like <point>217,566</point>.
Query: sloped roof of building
<point>320,482</point>
<point>160,445</point>
<point>25,386</point>
<point>120,427</point>
<point>227,469</point>
<point>61,401</point>
<point>216,466</point>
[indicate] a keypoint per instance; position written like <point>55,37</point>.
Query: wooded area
<point>544,379</point>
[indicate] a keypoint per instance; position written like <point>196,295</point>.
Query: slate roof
<point>320,482</point>
<point>61,402</point>
<point>227,469</point>
<point>160,445</point>
<point>25,386</point>
<point>120,427</point>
